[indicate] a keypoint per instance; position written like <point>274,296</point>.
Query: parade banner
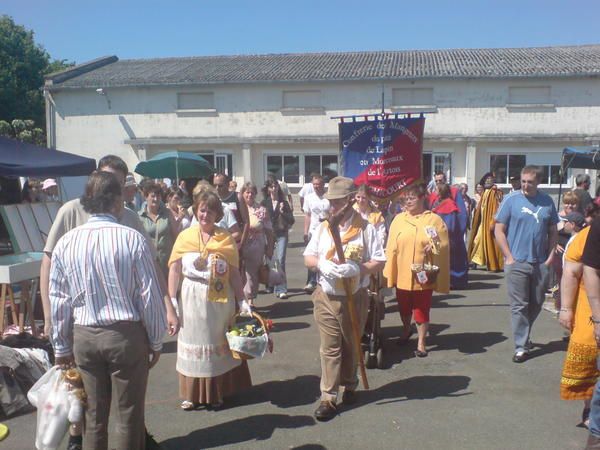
<point>384,154</point>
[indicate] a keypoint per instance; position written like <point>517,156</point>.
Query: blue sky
<point>85,29</point>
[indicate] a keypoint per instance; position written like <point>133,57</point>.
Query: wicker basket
<point>430,269</point>
<point>244,356</point>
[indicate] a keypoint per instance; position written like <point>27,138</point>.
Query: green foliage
<point>23,64</point>
<point>24,130</point>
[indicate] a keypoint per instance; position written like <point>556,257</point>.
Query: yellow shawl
<point>220,242</point>
<point>357,224</point>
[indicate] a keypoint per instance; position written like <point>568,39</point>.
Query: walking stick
<point>334,222</point>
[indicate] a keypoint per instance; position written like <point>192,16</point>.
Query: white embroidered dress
<point>202,349</point>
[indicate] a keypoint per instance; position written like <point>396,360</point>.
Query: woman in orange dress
<point>580,371</point>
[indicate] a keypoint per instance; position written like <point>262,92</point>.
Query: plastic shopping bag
<point>253,346</point>
<point>50,395</point>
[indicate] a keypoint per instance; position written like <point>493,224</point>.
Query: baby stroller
<point>372,342</point>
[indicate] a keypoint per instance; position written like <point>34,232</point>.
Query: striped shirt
<point>102,273</point>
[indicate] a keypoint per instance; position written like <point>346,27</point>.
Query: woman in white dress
<point>207,258</point>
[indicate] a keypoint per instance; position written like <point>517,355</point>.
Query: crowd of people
<point>128,262</point>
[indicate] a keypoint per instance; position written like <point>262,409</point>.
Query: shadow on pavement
<point>288,326</point>
<point>253,428</point>
<point>467,343</point>
<point>309,447</point>
<point>302,390</point>
<point>550,347</point>
<point>285,309</point>
<point>484,276</point>
<point>421,387</point>
<point>441,302</point>
<point>478,285</point>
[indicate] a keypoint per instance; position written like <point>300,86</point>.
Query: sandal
<point>421,353</point>
<point>187,405</point>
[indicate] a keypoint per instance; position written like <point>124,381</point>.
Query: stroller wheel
<point>370,360</point>
<point>379,358</point>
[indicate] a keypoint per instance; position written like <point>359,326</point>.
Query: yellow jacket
<point>405,246</point>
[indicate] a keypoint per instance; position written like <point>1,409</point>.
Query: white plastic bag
<point>50,396</point>
<point>253,346</point>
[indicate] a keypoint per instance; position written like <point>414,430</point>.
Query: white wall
<point>467,111</point>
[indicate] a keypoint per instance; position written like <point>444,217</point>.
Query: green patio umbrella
<point>176,165</point>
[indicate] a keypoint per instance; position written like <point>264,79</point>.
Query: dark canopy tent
<point>19,159</point>
<point>578,158</point>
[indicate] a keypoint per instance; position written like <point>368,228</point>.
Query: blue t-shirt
<point>527,220</point>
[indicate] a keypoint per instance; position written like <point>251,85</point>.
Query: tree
<point>23,130</point>
<point>23,64</point>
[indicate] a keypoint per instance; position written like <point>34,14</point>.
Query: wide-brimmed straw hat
<point>340,187</point>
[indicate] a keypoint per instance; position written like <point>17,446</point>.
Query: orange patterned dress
<point>580,372</point>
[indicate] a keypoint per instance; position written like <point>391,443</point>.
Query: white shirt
<point>317,207</point>
<point>226,222</point>
<point>306,190</point>
<point>321,242</point>
<point>102,273</point>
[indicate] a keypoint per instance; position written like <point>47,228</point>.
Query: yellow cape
<point>406,241</point>
<point>220,242</point>
<point>483,249</point>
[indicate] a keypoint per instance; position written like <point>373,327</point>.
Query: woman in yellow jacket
<point>417,238</point>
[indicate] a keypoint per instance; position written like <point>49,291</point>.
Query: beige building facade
<point>487,110</point>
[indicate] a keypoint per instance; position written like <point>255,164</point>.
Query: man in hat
<point>130,193</point>
<point>364,255</point>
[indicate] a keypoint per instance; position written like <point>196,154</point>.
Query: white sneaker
<point>309,288</point>
<point>282,295</point>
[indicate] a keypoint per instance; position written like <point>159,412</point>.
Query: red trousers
<point>416,303</point>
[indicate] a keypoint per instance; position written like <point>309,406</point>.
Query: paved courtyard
<point>466,395</point>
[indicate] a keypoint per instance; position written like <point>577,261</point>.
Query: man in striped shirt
<point>108,315</point>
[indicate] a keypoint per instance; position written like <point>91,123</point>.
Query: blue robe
<point>456,222</point>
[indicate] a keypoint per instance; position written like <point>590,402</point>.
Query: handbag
<point>269,276</point>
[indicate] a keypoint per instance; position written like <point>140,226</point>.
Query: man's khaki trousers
<point>339,361</point>
<point>115,356</point>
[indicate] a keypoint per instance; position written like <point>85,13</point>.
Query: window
<point>506,166</point>
<point>530,99</point>
<point>196,101</point>
<point>551,174</point>
<point>436,162</point>
<point>222,162</point>
<point>285,168</point>
<point>534,95</point>
<point>413,99</point>
<point>302,100</point>
<point>326,165</point>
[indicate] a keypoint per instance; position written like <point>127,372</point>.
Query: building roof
<point>568,61</point>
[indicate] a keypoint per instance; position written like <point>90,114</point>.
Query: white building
<point>488,109</point>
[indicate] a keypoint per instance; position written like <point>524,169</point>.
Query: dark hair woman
<point>282,219</point>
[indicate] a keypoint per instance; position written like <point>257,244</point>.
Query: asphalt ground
<point>467,394</point>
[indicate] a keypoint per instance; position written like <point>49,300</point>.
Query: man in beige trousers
<point>364,255</point>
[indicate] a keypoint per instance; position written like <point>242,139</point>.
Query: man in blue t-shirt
<point>526,234</point>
